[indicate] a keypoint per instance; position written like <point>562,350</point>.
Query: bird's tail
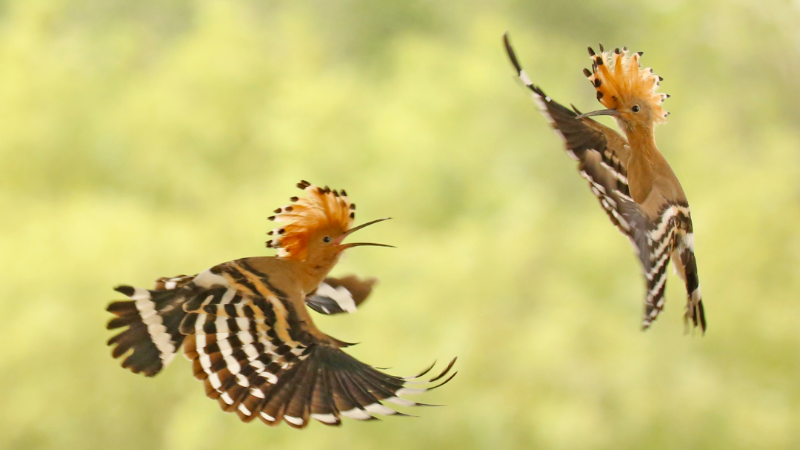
<point>152,319</point>
<point>294,385</point>
<point>685,265</point>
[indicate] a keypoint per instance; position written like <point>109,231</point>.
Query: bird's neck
<point>643,162</point>
<point>642,140</point>
<point>314,270</point>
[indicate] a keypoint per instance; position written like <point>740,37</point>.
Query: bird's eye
<point>635,108</point>
<point>326,239</point>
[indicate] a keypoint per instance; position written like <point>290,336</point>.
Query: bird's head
<point>315,227</point>
<point>626,89</point>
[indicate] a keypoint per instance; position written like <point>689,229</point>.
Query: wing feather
<point>235,349</point>
<point>601,152</point>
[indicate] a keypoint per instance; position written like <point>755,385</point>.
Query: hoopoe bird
<point>245,326</point>
<point>635,185</point>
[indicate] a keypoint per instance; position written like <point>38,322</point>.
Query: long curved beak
<point>357,244</point>
<point>602,112</point>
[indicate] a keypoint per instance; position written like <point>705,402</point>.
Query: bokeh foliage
<point>147,138</point>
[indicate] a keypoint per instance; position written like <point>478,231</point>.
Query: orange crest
<point>619,78</point>
<point>321,209</point>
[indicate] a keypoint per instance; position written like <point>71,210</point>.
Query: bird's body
<point>284,282</point>
<point>245,326</point>
<point>629,176</point>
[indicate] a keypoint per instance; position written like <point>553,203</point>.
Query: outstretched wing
<point>338,295</point>
<point>658,235</point>
<point>251,353</point>
<point>602,153</point>
<point>657,228</point>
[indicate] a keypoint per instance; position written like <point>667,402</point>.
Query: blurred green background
<point>149,138</point>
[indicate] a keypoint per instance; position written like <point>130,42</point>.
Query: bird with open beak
<point>245,326</point>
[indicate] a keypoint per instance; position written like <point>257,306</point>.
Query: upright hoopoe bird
<point>245,326</point>
<point>633,182</point>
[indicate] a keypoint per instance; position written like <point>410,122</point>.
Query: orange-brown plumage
<point>629,176</point>
<point>620,81</point>
<point>322,211</point>
<point>249,334</point>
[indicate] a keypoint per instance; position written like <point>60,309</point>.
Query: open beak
<point>602,112</point>
<point>357,244</point>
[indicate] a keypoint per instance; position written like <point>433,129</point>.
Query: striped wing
<point>150,319</point>
<point>659,237</point>
<point>338,295</point>
<point>601,152</point>
<point>258,365</point>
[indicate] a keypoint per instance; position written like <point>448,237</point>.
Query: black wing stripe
<point>204,297</point>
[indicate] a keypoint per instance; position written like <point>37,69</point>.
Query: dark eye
<point>326,239</point>
<point>635,108</point>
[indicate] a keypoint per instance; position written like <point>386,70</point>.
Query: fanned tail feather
<point>668,234</point>
<point>259,376</point>
<point>329,384</point>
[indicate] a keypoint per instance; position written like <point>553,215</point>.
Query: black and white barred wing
<point>339,295</point>
<point>657,238</point>
<point>602,153</point>
<point>253,365</point>
<point>151,319</point>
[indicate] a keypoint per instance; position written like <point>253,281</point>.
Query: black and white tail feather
<point>668,236</point>
<point>602,154</point>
